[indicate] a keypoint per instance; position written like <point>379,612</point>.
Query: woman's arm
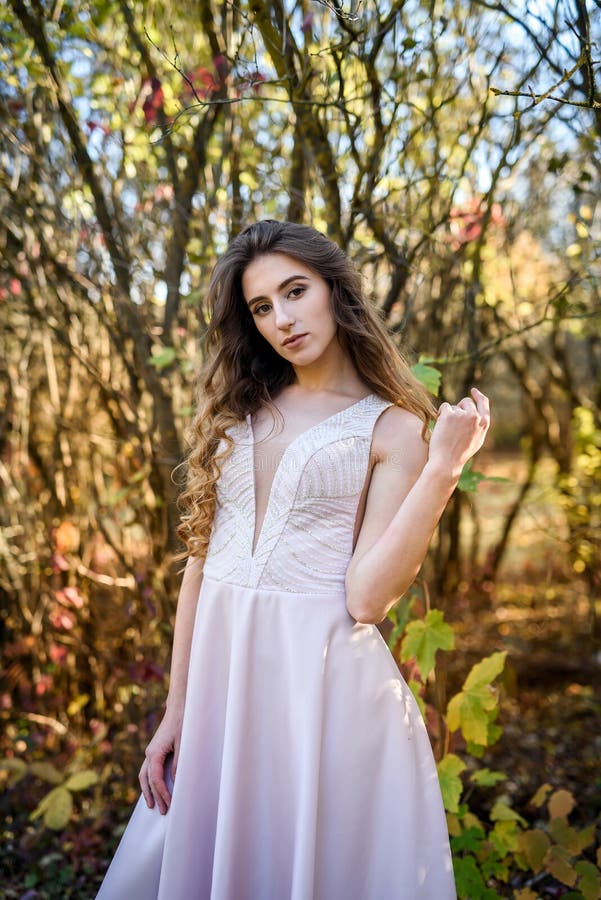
<point>408,492</point>
<point>167,736</point>
<point>182,635</point>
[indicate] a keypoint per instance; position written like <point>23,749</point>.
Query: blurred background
<point>453,149</point>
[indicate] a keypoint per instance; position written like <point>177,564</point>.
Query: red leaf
<point>70,596</point>
<point>43,684</point>
<point>58,563</point>
<point>253,80</point>
<point>307,25</point>
<point>201,83</point>
<point>57,653</point>
<point>222,66</point>
<point>61,618</point>
<point>94,125</point>
<point>146,670</point>
<point>153,101</point>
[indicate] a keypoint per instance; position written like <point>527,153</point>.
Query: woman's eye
<point>297,291</point>
<point>259,308</point>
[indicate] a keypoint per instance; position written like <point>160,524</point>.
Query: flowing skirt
<point>305,769</point>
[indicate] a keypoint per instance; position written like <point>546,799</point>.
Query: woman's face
<point>286,298</point>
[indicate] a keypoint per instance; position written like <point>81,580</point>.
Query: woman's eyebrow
<point>281,286</point>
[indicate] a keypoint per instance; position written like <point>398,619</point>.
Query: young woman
<point>304,770</point>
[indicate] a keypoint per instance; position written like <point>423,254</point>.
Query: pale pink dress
<point>305,770</point>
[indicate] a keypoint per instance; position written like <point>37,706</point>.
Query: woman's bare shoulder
<point>398,433</point>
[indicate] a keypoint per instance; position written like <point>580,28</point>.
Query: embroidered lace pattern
<point>311,509</point>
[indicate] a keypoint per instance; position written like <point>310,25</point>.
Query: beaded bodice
<point>306,537</point>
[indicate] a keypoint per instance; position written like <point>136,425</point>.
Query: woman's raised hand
<point>166,741</point>
<point>459,432</point>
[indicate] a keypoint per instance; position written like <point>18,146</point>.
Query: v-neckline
<point>293,442</point>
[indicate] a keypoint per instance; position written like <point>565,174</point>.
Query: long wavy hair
<point>242,372</point>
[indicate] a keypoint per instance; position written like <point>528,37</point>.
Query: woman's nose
<point>283,317</point>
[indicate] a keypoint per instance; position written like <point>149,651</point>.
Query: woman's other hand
<point>459,432</point>
<point>166,741</point>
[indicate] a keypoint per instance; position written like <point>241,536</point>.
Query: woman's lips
<point>295,341</point>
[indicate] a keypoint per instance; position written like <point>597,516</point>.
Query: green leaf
<point>589,880</point>
<point>58,810</point>
<point>399,615</point>
<point>415,687</point>
<point>486,778</point>
<point>502,812</point>
<point>42,806</point>
<point>469,881</point>
<point>46,771</point>
<point>428,376</point>
<point>15,768</point>
<point>494,732</point>
<point>82,780</point>
<point>470,479</point>
<point>469,839</point>
<point>424,637</point>
<point>474,749</point>
<point>449,769</point>
<point>162,358</point>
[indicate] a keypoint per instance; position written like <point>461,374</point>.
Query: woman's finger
<point>146,791</point>
<point>175,759</point>
<point>468,405</point>
<point>156,778</point>
<point>482,405</point>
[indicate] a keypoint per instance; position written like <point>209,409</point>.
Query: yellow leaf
<point>469,711</point>
<point>557,862</point>
<point>534,844</point>
<point>561,803</point>
<point>486,670</point>
<point>471,821</point>
<point>77,704</point>
<point>453,825</point>
<point>541,795</point>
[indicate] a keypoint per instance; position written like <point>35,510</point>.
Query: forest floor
<point>541,613</point>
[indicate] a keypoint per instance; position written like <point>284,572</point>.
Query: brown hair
<point>243,372</point>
